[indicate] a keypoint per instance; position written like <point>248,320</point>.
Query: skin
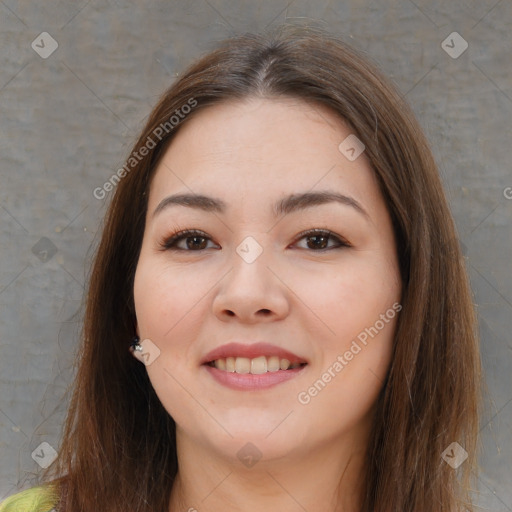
<point>314,303</point>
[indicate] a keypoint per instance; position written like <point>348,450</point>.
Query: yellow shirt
<point>36,499</point>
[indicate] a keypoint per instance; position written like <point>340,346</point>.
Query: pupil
<point>318,244</point>
<point>194,244</point>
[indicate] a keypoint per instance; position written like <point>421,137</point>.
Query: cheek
<point>165,297</point>
<point>168,309</point>
<point>359,306</point>
<point>349,299</point>
<point>346,387</point>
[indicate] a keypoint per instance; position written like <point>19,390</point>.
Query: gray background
<point>68,120</point>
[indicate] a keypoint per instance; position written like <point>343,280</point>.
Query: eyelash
<point>169,243</point>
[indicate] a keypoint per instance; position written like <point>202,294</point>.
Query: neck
<point>326,478</point>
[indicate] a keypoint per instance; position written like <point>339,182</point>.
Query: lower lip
<point>250,382</point>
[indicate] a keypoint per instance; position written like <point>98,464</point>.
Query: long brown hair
<point>118,451</point>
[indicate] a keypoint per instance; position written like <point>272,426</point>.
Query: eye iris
<point>318,244</point>
<point>194,244</point>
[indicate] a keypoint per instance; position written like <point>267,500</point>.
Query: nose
<point>251,292</point>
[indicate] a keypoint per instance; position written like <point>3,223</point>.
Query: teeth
<point>273,364</point>
<point>230,364</point>
<point>242,365</point>
<point>259,365</point>
<point>256,366</point>
<point>220,364</point>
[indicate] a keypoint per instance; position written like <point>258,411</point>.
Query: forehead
<point>261,147</point>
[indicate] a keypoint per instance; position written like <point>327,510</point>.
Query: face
<point>272,321</point>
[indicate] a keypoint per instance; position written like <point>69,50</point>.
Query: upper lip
<point>251,351</point>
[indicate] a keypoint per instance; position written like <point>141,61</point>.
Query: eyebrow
<point>289,204</point>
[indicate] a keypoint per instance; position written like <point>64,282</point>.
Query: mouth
<point>252,367</point>
<point>255,366</point>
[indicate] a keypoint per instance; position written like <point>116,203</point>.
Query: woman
<point>278,316</point>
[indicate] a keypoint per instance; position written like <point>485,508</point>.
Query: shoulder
<point>36,499</point>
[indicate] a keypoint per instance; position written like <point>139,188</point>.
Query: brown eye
<point>194,240</point>
<point>318,240</point>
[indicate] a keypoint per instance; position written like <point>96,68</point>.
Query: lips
<point>255,359</point>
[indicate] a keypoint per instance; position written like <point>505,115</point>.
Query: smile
<point>255,366</point>
<point>252,367</point>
